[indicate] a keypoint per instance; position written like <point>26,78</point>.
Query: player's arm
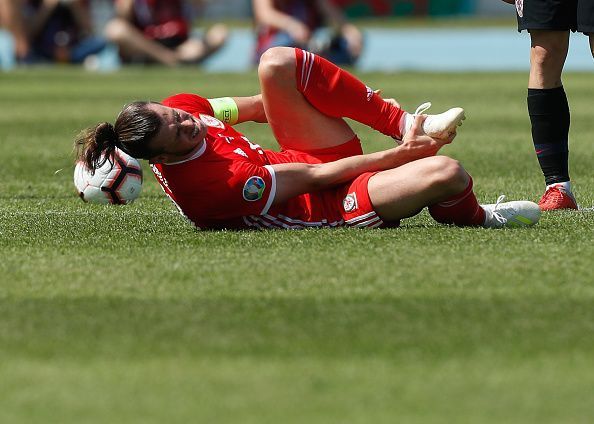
<point>234,110</point>
<point>250,109</point>
<point>293,179</point>
<point>510,1</point>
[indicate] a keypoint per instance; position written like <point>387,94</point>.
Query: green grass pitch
<point>127,314</point>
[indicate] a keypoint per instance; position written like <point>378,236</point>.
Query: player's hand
<point>393,102</point>
<point>419,145</point>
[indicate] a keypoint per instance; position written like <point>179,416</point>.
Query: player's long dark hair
<point>134,128</point>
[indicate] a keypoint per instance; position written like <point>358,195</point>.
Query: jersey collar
<point>199,153</point>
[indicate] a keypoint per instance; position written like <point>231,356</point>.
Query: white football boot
<point>518,213</point>
<point>436,126</point>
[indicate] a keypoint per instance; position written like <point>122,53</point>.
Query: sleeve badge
<point>253,189</point>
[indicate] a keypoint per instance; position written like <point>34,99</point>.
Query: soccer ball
<point>117,183</point>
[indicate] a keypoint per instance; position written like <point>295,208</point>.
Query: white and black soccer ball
<point>116,182</point>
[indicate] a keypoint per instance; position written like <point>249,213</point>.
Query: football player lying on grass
<point>219,178</point>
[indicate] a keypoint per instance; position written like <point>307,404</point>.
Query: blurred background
<point>361,8</point>
<point>229,35</point>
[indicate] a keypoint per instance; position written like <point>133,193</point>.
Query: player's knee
<point>541,57</point>
<point>449,174</point>
<point>548,55</point>
<point>277,62</point>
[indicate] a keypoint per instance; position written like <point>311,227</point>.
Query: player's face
<point>181,134</point>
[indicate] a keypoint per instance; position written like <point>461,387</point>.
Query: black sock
<point>549,115</point>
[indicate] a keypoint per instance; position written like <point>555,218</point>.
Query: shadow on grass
<point>128,328</point>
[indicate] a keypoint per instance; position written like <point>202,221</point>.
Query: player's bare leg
<point>547,56</point>
<point>436,181</point>
<point>296,124</point>
<point>402,192</point>
<point>336,93</point>
<point>442,184</point>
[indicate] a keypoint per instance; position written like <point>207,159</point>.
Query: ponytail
<point>96,145</point>
<point>134,128</point>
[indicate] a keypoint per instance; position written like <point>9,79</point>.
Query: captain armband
<point>225,109</point>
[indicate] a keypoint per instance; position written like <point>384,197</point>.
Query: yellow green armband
<point>225,109</point>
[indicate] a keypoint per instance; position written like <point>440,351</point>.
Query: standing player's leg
<point>442,184</point>
<point>549,115</point>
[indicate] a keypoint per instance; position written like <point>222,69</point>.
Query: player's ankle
<point>405,123</point>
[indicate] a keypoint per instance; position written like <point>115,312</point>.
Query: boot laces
<point>497,215</point>
<point>422,108</point>
<point>552,194</point>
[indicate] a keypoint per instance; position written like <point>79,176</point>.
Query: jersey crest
<point>350,203</point>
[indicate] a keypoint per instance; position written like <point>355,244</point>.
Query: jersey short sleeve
<point>250,189</point>
<point>191,103</point>
<point>218,190</point>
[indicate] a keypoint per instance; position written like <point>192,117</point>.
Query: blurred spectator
<point>160,31</point>
<point>297,23</point>
<point>54,30</point>
<point>11,20</point>
<point>379,7</point>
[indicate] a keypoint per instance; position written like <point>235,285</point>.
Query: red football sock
<point>462,209</point>
<point>335,92</point>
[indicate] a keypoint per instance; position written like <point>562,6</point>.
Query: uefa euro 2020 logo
<point>253,189</point>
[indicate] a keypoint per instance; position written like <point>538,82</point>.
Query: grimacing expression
<point>181,134</point>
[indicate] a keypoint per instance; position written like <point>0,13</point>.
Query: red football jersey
<point>229,183</point>
<point>227,179</point>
